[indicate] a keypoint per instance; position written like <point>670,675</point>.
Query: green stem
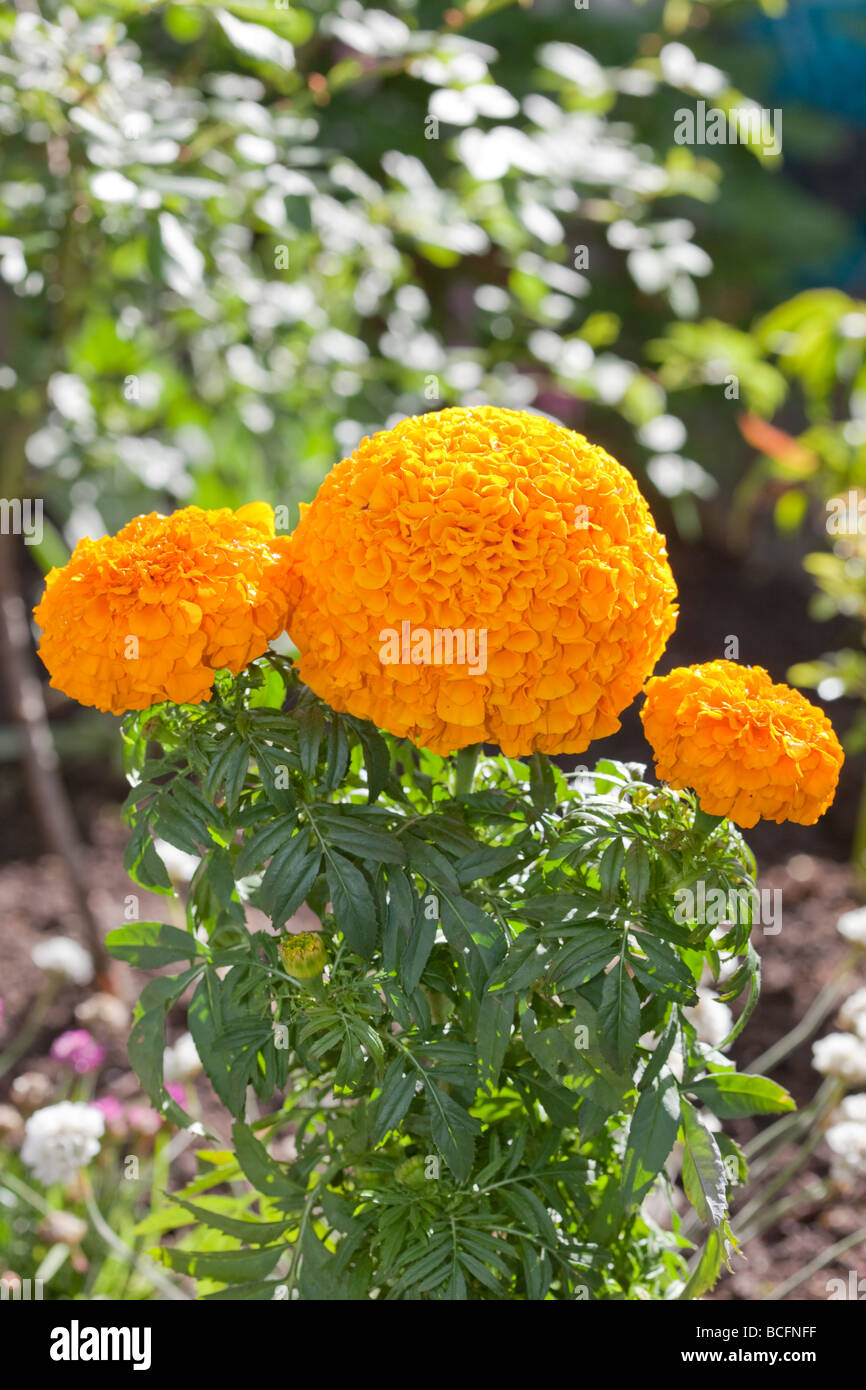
<point>142,1264</point>
<point>467,762</point>
<point>35,1019</point>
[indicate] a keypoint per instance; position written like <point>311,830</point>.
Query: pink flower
<point>78,1049</point>
<point>143,1118</point>
<point>112,1113</point>
<point>177,1091</point>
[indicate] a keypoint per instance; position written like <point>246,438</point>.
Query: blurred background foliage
<point>235,239</point>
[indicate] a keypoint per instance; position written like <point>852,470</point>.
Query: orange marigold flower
<point>750,749</point>
<point>481,574</point>
<point>152,613</point>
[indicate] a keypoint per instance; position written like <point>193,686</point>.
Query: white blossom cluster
<point>60,1139</point>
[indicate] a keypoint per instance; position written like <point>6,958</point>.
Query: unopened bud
<point>304,955</point>
<point>411,1172</point>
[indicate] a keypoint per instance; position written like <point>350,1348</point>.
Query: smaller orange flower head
<point>152,613</point>
<point>498,530</point>
<point>750,749</point>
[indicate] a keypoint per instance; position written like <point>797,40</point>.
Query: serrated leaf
<point>148,945</point>
<point>453,1130</point>
<point>637,871</point>
<point>251,1231</point>
<point>262,1171</point>
<point>493,1031</point>
<point>267,841</point>
<point>398,1091</point>
<point>352,900</point>
<point>733,1094</point>
<point>227,1266</point>
<point>591,951</point>
<point>610,871</point>
<point>619,1015</point>
<point>703,1170</point>
<point>651,1136</point>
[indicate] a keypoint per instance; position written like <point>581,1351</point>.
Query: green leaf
<point>146,1043</point>
<point>453,1130</point>
<point>661,1052</point>
<point>637,871</point>
<point>289,877</point>
<point>493,1032</point>
<point>485,861</point>
<point>706,1271</point>
<point>660,969</point>
<point>262,1171</point>
<point>377,758</point>
<point>703,1170</point>
<point>610,871</point>
<point>619,1015</point>
<point>354,836</point>
<point>591,951</point>
<point>267,840</point>
<point>251,1231</point>
<point>144,865</point>
<point>651,1136</point>
<point>398,1091</point>
<point>228,1266</point>
<point>319,1280</point>
<point>469,929</point>
<point>416,951</point>
<point>352,900</point>
<point>542,784</point>
<point>311,725</point>
<point>205,1034</point>
<point>705,824</point>
<point>148,945</point>
<point>733,1094</point>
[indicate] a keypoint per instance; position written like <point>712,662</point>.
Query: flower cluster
<point>61,1139</point>
<point>498,522</point>
<point>749,748</point>
<point>152,613</point>
<point>846,1137</point>
<point>76,1048</point>
<point>474,574</point>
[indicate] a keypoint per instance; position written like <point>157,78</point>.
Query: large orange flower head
<point>481,574</point>
<point>750,749</point>
<point>152,613</point>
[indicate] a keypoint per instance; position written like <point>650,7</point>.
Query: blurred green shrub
<point>233,240</point>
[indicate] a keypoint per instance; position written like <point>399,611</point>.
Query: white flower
<point>848,1142</point>
<point>851,1108</point>
<point>853,1013</point>
<point>852,925</point>
<point>62,956</point>
<point>842,1056</point>
<point>61,1139</point>
<point>181,1061</point>
<point>711,1019</point>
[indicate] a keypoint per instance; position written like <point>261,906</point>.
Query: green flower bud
<point>304,955</point>
<point>411,1172</point>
